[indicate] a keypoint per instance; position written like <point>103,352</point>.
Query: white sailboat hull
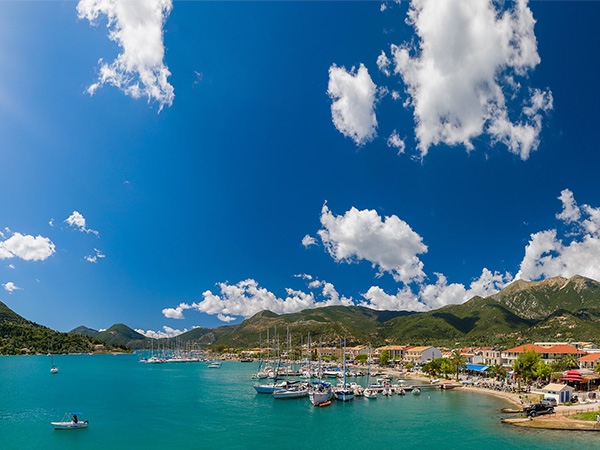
<point>69,425</point>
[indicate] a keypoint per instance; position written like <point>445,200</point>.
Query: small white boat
<point>215,365</point>
<point>371,393</point>
<point>437,380</point>
<point>73,424</point>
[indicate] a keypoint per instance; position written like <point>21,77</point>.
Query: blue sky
<point>226,134</point>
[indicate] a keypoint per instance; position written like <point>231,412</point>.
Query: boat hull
<point>344,395</point>
<point>69,425</point>
<point>285,394</point>
<point>317,398</point>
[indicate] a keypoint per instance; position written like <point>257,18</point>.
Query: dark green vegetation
<point>20,336</point>
<point>118,335</point>
<point>554,309</point>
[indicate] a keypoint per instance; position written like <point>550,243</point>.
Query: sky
<point>170,165</point>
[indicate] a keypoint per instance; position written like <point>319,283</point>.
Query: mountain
<point>539,299</point>
<point>85,331</point>
<point>19,336</point>
<point>118,335</point>
<point>553,309</point>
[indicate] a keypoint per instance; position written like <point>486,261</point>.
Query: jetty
<point>554,424</point>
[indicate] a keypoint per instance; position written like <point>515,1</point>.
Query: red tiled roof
<point>538,349</point>
<point>590,357</point>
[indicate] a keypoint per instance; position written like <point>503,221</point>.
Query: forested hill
<point>21,336</point>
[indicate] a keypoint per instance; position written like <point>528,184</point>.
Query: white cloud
<point>167,332</point>
<point>570,212</point>
<point>390,244</point>
<point>304,276</point>
<point>27,247</point>
<point>308,240</point>
<point>395,141</point>
<point>353,109</point>
<point>77,220</point>
<point>51,223</point>
<point>10,287</point>
<point>383,62</point>
<point>94,258</point>
<point>136,26</point>
<point>224,318</point>
<point>548,255</point>
<point>246,298</point>
<point>434,296</point>
<point>404,300</point>
<point>455,76</point>
<point>382,7</point>
<point>102,329</point>
<point>11,266</point>
<point>396,95</point>
<point>175,313</point>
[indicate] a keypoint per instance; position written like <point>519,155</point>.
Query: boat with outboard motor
<point>73,424</point>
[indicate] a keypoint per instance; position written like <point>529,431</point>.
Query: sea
<point>130,405</point>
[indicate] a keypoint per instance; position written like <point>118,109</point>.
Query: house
<point>491,357</point>
<point>329,351</point>
<point>589,361</point>
<point>559,392</point>
<point>396,352</point>
<point>421,355</point>
<point>548,353</point>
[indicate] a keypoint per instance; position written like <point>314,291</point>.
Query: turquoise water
<point>188,406</point>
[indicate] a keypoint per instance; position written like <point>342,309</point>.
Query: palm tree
<point>458,361</point>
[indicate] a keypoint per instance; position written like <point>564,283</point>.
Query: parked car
<point>537,409</point>
<point>548,401</point>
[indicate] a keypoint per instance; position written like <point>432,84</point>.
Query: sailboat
<point>53,369</point>
<point>343,392</point>
<point>369,391</point>
<point>321,391</point>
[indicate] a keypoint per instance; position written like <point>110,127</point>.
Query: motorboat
<point>416,391</point>
<point>370,393</point>
<point>215,365</point>
<point>73,424</point>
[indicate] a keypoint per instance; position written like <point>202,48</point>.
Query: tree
<point>497,371</point>
<point>525,363</point>
<point>445,367</point>
<point>542,369</point>
<point>458,361</point>
<point>361,358</point>
<point>384,358</point>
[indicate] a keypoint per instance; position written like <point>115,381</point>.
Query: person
<point>74,418</point>
<point>597,418</point>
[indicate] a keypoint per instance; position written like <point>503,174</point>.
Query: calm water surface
<point>188,406</point>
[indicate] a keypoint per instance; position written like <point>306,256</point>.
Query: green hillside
<point>20,336</point>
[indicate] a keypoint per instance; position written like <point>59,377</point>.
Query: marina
<point>182,405</point>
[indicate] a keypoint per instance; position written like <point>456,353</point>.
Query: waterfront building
<point>396,352</point>
<point>548,353</point>
<point>589,361</point>
<point>421,355</point>
<point>559,392</point>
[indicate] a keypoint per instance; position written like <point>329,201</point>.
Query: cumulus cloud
<point>136,26</point>
<point>94,258</point>
<point>389,244</point>
<point>308,240</point>
<point>549,255</point>
<point>167,332</point>
<point>10,287</point>
<point>247,298</point>
<point>383,63</point>
<point>395,141</point>
<point>434,296</point>
<point>458,74</point>
<point>570,212</point>
<point>27,247</point>
<point>353,109</point>
<point>77,220</point>
<point>224,318</point>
